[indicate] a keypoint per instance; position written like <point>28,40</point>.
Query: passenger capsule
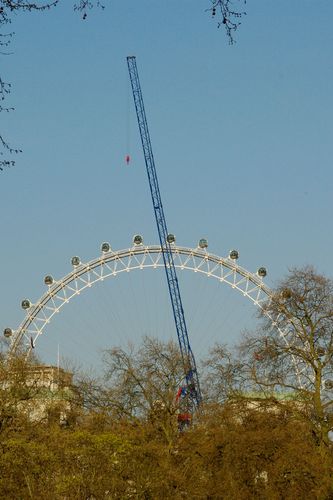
<point>8,332</point>
<point>105,247</point>
<point>233,254</point>
<point>286,293</point>
<point>320,352</point>
<point>137,239</point>
<point>76,261</point>
<point>262,272</point>
<point>48,280</point>
<point>171,238</point>
<point>328,384</point>
<point>25,304</point>
<point>203,243</point>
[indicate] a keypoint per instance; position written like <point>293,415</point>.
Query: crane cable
<point>128,126</point>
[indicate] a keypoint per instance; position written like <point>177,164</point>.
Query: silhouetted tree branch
<point>227,16</point>
<point>7,9</point>
<point>223,11</point>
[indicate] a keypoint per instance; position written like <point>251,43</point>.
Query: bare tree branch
<point>296,355</point>
<point>227,17</point>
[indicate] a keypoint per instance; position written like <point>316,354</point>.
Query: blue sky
<point>242,139</point>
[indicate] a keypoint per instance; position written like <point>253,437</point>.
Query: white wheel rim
<point>111,264</point>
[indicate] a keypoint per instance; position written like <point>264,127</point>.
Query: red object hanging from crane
<point>127,159</point>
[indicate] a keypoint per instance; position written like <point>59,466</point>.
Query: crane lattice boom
<point>192,380</point>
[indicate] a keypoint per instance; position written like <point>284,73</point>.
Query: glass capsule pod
<point>328,384</point>
<point>75,261</point>
<point>48,280</point>
<point>105,247</point>
<point>8,332</point>
<point>321,352</point>
<point>25,304</point>
<point>286,294</point>
<point>262,272</point>
<point>203,243</point>
<point>233,254</point>
<point>137,239</point>
<point>171,238</point>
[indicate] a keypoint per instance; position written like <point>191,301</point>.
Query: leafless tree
<point>138,379</point>
<point>222,376</point>
<point>292,354</point>
<point>139,384</point>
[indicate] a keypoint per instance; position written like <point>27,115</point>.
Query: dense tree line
<point>263,431</point>
<point>260,455</point>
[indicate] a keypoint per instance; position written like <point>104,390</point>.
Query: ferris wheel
<point>110,263</point>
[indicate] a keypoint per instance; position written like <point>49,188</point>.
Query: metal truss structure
<point>190,369</point>
<point>111,263</point>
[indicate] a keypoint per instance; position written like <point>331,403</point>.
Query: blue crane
<point>192,387</point>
